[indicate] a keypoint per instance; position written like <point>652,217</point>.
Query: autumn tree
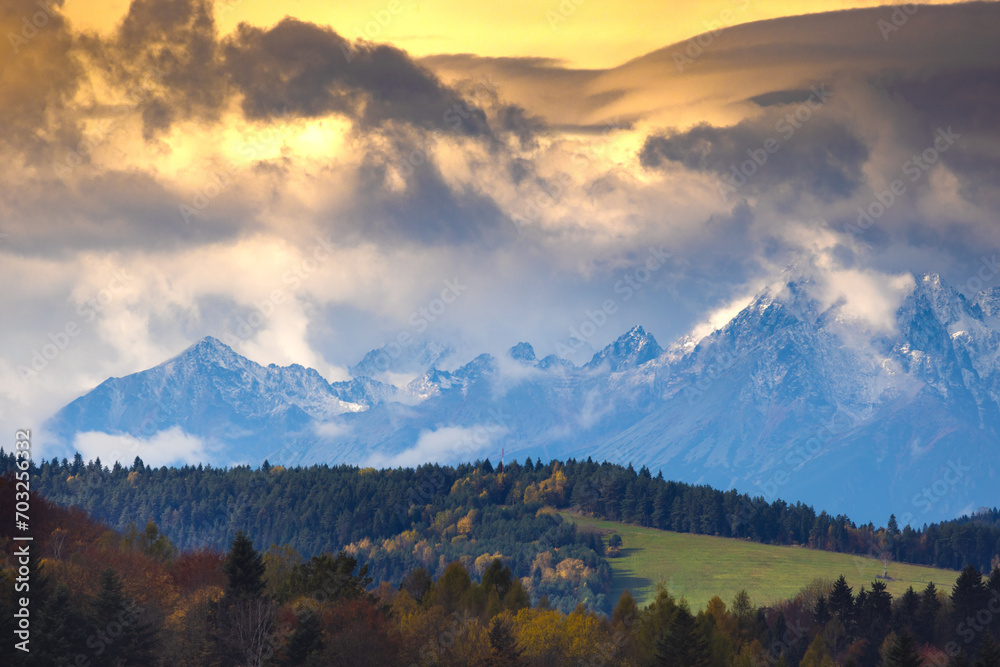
<point>150,541</point>
<point>504,651</point>
<point>417,582</point>
<point>817,655</point>
<point>451,588</point>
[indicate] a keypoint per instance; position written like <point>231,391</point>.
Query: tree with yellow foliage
<point>817,655</point>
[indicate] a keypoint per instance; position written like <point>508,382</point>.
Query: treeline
<point>323,508</point>
<point>99,597</point>
<point>395,520</point>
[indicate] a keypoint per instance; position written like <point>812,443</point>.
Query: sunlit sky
<point>581,33</point>
<point>193,165</point>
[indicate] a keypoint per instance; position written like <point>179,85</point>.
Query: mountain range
<point>792,398</point>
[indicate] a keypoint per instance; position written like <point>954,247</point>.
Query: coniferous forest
<point>465,565</point>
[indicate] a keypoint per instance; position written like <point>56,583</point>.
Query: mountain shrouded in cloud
<point>307,197</point>
<point>865,402</point>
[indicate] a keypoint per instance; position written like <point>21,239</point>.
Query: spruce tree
<point>306,639</point>
<point>903,652</point>
<point>906,611</point>
<point>683,643</point>
<point>989,653</point>
<point>244,569</point>
<point>119,625</point>
<point>821,612</point>
<point>969,596</point>
<point>927,615</point>
<point>504,651</point>
<point>842,602</point>
<point>993,593</point>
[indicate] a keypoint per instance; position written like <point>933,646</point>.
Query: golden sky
<point>584,33</point>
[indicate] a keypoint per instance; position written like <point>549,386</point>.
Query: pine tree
<point>906,611</point>
<point>661,513</point>
<point>244,569</point>
<point>880,604</point>
<point>903,652</point>
<point>119,626</point>
<point>927,615</point>
<point>968,597</point>
<point>683,643</point>
<point>821,613</point>
<point>842,602</point>
<point>993,592</point>
<point>60,630</point>
<point>989,653</point>
<point>960,659</point>
<point>305,640</point>
<point>504,651</point>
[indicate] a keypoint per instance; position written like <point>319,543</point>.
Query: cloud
<point>172,46</point>
<point>169,447</point>
<point>443,445</point>
<point>38,79</point>
<point>312,71</point>
<point>331,430</point>
<point>777,150</point>
<point>539,185</point>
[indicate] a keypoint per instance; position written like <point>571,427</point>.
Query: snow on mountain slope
<point>794,397</point>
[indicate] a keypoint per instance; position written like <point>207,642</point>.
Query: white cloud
<point>169,447</point>
<point>330,429</point>
<point>449,444</point>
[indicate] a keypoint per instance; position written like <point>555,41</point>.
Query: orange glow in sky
<point>584,33</point>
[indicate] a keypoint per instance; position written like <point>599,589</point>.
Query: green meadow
<point>698,567</point>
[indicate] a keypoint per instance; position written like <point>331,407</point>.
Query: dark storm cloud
<point>170,49</point>
<point>295,68</point>
<point>522,125</point>
<point>427,212</point>
<point>116,210</point>
<point>817,155</point>
<point>966,100</point>
<point>38,77</point>
<point>168,62</point>
<point>781,97</point>
<point>311,71</point>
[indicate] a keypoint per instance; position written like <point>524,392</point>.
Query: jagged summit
<point>522,352</point>
<point>633,348</point>
<point>792,397</point>
<point>211,350</point>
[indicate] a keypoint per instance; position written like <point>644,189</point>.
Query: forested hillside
<point>323,508</point>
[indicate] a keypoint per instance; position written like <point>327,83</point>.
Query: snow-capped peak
<point>631,349</point>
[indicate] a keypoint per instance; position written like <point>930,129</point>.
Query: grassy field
<point>700,566</point>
